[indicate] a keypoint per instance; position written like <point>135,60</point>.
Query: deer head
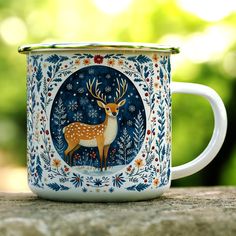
<point>111,109</point>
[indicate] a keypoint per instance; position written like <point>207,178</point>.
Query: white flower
<point>73,105</point>
<point>132,108</point>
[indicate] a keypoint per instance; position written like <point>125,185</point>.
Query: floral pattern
<point>151,74</point>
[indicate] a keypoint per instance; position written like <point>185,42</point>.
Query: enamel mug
<point>99,121</point>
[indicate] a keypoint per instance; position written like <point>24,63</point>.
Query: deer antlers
<point>98,94</point>
<point>120,90</point>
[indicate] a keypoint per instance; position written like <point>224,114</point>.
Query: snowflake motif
<point>108,76</point>
<point>80,90</point>
<point>107,89</point>
<point>92,113</point>
<point>91,71</point>
<point>129,122</point>
<point>69,86</point>
<point>132,108</point>
<point>73,105</point>
<point>83,101</point>
<point>90,106</point>
<point>78,116</point>
<point>81,76</point>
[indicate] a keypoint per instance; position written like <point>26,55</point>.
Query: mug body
<point>98,124</point>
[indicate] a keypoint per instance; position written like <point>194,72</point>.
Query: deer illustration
<point>99,135</point>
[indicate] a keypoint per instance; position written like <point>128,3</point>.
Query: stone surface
<point>181,211</point>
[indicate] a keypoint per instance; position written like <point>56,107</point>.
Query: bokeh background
<point>205,30</point>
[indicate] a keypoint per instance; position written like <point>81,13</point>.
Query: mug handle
<point>217,139</point>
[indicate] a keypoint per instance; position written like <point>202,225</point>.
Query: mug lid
<point>98,46</point>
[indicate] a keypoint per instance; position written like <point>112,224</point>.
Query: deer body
<point>87,135</point>
<point>100,135</point>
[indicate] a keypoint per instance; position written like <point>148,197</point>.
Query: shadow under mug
<point>99,121</point>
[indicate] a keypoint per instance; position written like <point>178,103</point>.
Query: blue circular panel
<point>76,114</point>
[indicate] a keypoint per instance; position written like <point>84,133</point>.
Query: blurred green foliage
<point>206,33</point>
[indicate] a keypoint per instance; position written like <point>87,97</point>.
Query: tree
<point>59,117</point>
<point>139,132</point>
<point>125,144</point>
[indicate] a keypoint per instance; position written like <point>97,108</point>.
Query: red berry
<point>147,79</point>
<point>149,131</point>
<point>47,132</point>
<point>145,181</point>
<point>49,94</point>
<point>146,94</point>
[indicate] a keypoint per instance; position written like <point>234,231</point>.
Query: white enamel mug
<point>99,121</point>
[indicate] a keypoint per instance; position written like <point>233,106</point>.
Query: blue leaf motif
<point>49,72</point>
<point>63,187</point>
<point>131,188</point>
<point>53,59</point>
<point>39,76</point>
<point>56,187</point>
<point>169,65</point>
<point>141,59</point>
<point>39,168</point>
<point>140,187</point>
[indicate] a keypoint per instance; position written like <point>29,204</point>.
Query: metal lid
<point>98,46</point>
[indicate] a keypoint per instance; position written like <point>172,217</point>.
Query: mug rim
<point>65,46</point>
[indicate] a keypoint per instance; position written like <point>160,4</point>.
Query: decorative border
<point>151,167</point>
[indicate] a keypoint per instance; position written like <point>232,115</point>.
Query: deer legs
<point>70,150</point>
<point>106,148</point>
<point>100,142</point>
<point>103,151</point>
